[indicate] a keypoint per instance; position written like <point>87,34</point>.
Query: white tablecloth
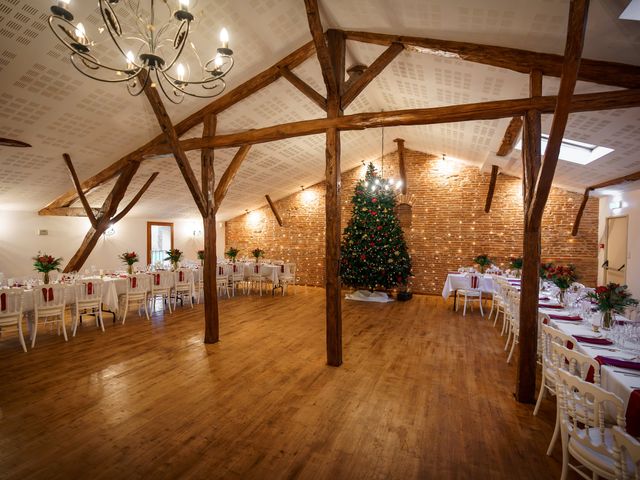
<point>272,272</point>
<point>457,281</point>
<point>620,384</point>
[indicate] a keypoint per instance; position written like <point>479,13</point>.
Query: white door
<point>615,269</point>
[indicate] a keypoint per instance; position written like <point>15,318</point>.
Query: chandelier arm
<point>86,74</point>
<point>169,97</point>
<point>108,26</point>
<point>174,83</point>
<point>143,85</point>
<point>182,44</point>
<point>88,58</point>
<point>223,73</point>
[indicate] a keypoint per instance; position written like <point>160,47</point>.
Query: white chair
<point>236,277</point>
<point>472,293</point>
<point>183,286</point>
<point>574,362</point>
<point>136,294</point>
<point>256,278</point>
<point>222,280</point>
<point>585,435</point>
<point>497,303</point>
<point>88,302</point>
<point>11,311</point>
<point>288,276</point>
<point>513,316</point>
<point>627,455</point>
<point>161,284</point>
<point>48,301</point>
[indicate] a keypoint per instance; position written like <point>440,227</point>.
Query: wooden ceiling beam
<point>242,91</point>
<point>229,174</point>
<point>306,89</point>
<point>322,51</point>
<point>572,56</point>
<point>68,212</point>
<point>172,138</point>
<point>421,116</point>
<point>510,137</point>
<point>523,61</point>
<point>370,73</point>
<point>274,210</point>
<point>492,187</point>
<point>135,199</point>
<point>76,183</point>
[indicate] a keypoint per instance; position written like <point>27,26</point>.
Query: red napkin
<point>544,298</point>
<point>547,305</point>
<point>616,362</point>
<point>573,318</point>
<point>633,414</point>
<point>594,341</point>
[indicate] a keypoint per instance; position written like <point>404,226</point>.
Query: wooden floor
<point>423,393</point>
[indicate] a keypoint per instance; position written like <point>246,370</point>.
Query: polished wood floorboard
<point>423,393</point>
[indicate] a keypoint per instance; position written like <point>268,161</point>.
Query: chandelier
<point>152,38</point>
<point>377,184</point>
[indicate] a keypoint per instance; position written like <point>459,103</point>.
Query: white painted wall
<point>19,241</point>
<point>631,208</point>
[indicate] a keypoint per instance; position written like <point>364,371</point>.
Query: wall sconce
<point>616,205</point>
<point>308,196</point>
<point>110,232</point>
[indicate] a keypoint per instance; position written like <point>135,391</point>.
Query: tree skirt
<point>367,296</point>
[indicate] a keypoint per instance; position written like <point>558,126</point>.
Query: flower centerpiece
<point>562,276</point>
<point>129,258</point>
<point>515,263</point>
<point>483,261</point>
<point>201,256</point>
<point>257,253</point>
<point>46,263</point>
<point>232,253</point>
<point>174,255</point>
<point>611,298</point>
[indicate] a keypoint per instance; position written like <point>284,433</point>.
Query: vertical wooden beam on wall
<point>336,45</point>
<point>212,320</point>
<point>492,188</point>
<point>403,168</point>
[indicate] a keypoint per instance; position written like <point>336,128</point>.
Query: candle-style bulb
<point>130,59</point>
<point>217,61</point>
<point>181,72</point>
<point>64,3</point>
<point>224,38</point>
<point>184,5</point>
<point>80,33</point>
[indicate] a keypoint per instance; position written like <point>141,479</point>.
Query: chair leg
<point>554,438</point>
<point>464,310</point>
<point>540,395</point>
<point>513,347</point>
<point>565,457</point>
<point>34,332</point>
<point>100,316</point>
<point>146,310</point>
<point>76,320</point>
<point>21,336</point>
<point>126,308</point>
<point>64,329</point>
<point>480,303</point>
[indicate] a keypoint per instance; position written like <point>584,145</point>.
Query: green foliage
<point>612,297</point>
<point>257,252</point>
<point>483,260</point>
<point>174,255</point>
<point>515,263</point>
<point>46,263</point>
<point>232,253</point>
<point>373,251</point>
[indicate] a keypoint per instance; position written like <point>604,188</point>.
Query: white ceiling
<point>45,102</point>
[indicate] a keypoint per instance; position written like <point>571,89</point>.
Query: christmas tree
<point>374,253</point>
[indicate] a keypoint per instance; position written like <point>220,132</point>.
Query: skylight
<point>574,151</point>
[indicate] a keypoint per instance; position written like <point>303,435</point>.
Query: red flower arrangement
<point>612,297</point>
<point>562,275</point>
<point>46,263</point>
<point>129,257</point>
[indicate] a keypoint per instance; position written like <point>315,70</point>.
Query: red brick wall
<point>449,226</point>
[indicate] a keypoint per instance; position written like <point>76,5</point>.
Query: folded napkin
<point>547,305</point>
<point>616,362</point>
<point>633,414</point>
<point>573,318</point>
<point>593,340</point>
<point>544,298</point>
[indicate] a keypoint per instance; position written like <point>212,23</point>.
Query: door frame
<point>160,224</point>
<point>606,251</point>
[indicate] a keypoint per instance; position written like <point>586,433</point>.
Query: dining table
<point>459,281</point>
<point>620,364</point>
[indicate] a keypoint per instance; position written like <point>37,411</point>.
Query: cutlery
<point>629,374</point>
<point>604,348</point>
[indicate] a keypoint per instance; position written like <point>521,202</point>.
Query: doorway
<point>159,240</point>
<point>615,265</point>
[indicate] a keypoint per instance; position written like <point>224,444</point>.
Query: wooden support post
<point>274,210</point>
<point>403,169</point>
<point>229,174</point>
<point>211,315</point>
<point>537,188</point>
<point>333,289</point>
<point>492,187</point>
<point>76,183</point>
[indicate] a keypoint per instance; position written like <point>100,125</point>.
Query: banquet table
<point>625,383</point>
<point>458,281</point>
<point>272,272</point>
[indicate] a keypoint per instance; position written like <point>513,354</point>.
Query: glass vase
<point>561,295</point>
<point>46,278</point>
<point>607,320</point>
<point>130,269</point>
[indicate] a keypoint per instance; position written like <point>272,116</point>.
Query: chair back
<point>183,276</point>
<point>137,283</point>
<point>291,267</point>
<point>161,280</point>
<point>582,407</point>
<point>10,303</point>
<point>48,296</point>
<point>89,291</point>
<point>627,455</point>
<point>576,363</point>
<point>549,337</point>
<point>474,281</point>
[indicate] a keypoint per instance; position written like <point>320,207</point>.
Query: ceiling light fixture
<point>144,38</point>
